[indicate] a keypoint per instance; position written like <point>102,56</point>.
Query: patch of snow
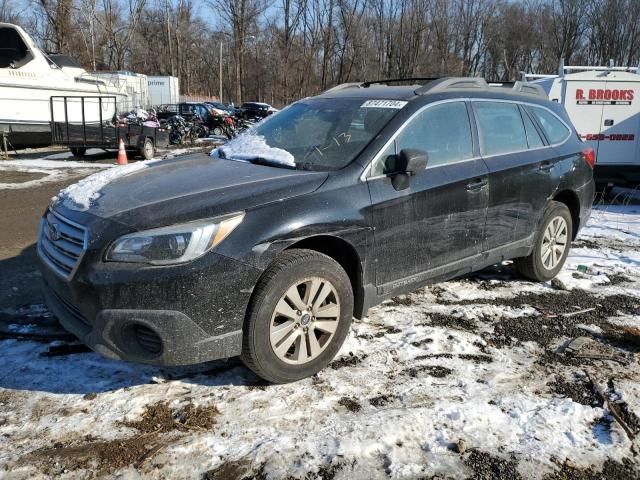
<point>82,194</point>
<point>250,146</point>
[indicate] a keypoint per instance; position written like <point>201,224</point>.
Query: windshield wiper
<point>269,162</point>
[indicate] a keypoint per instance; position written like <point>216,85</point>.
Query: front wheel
<point>552,245</point>
<point>298,317</point>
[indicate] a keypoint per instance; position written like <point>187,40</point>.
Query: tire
<point>217,131</point>
<point>305,272</point>
<point>78,151</point>
<point>539,266</point>
<point>148,150</point>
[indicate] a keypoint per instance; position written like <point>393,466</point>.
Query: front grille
<point>62,243</point>
<point>148,339</point>
<point>71,309</point>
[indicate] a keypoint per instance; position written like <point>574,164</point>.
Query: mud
<point>102,456</point>
<point>489,467</point>
<point>578,389</point>
<point>237,470</point>
<point>382,400</point>
<point>349,361</point>
<point>350,404</point>
<point>19,177</point>
<point>436,371</point>
<point>450,321</point>
<point>159,418</point>
<point>611,470</point>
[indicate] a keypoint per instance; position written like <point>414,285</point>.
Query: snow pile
<point>81,195</point>
<point>249,146</point>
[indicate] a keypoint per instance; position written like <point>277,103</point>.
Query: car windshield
<point>313,134</point>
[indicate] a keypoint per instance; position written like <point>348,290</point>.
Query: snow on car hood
<point>250,146</point>
<point>81,195</point>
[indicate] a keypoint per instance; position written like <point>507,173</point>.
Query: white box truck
<point>163,90</point>
<point>604,105</point>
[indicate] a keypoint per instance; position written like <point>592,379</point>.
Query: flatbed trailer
<point>103,133</point>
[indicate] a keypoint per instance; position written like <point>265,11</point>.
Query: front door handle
<point>608,122</point>
<point>476,184</point>
<point>546,166</point>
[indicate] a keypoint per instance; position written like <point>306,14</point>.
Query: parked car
<point>268,249</point>
<point>185,109</point>
<point>221,109</point>
<point>255,110</point>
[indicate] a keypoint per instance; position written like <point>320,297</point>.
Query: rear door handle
<point>546,166</point>
<point>476,184</point>
<point>608,122</point>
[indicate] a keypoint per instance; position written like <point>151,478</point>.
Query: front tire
<point>298,317</point>
<point>551,247</point>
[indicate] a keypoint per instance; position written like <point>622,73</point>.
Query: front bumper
<point>177,315</point>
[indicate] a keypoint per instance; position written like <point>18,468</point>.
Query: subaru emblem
<point>54,234</point>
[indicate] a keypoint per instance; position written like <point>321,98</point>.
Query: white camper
<point>163,90</point>
<point>604,105</point>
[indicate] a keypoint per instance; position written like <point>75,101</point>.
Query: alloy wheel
<point>554,242</point>
<point>304,321</point>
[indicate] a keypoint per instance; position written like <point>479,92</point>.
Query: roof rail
<point>446,83</point>
<point>342,86</point>
<point>529,89</point>
<point>391,80</point>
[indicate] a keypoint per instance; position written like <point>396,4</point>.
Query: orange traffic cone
<point>122,154</point>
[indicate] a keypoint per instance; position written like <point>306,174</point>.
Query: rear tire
<point>552,245</point>
<point>148,150</point>
<point>298,317</point>
<point>78,151</point>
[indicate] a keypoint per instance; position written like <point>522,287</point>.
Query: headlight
<point>174,244</point>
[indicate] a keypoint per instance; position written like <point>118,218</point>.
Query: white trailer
<point>604,105</point>
<point>163,90</point>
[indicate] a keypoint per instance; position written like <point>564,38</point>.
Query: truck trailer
<point>604,105</point>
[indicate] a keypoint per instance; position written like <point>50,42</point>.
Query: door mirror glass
<point>411,161</point>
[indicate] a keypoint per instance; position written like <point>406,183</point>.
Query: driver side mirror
<point>409,162</point>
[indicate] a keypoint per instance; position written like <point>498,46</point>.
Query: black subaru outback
<point>269,246</point>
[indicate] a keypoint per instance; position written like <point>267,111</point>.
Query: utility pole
<point>220,73</point>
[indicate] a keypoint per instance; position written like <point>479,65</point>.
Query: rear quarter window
<point>500,127</point>
<point>554,129</point>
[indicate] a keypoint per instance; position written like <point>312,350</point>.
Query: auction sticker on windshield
<point>384,104</point>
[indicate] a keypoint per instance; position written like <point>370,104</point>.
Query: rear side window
<point>553,128</point>
<point>443,131</point>
<point>533,137</point>
<point>500,127</point>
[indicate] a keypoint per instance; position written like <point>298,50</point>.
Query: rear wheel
<point>148,150</point>
<point>552,245</point>
<point>78,151</point>
<point>298,317</point>
<point>217,131</point>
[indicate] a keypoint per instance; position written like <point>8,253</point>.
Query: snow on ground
<point>467,376</point>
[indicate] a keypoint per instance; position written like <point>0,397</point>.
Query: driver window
<point>443,131</point>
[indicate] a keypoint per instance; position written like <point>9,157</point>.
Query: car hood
<point>193,187</point>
